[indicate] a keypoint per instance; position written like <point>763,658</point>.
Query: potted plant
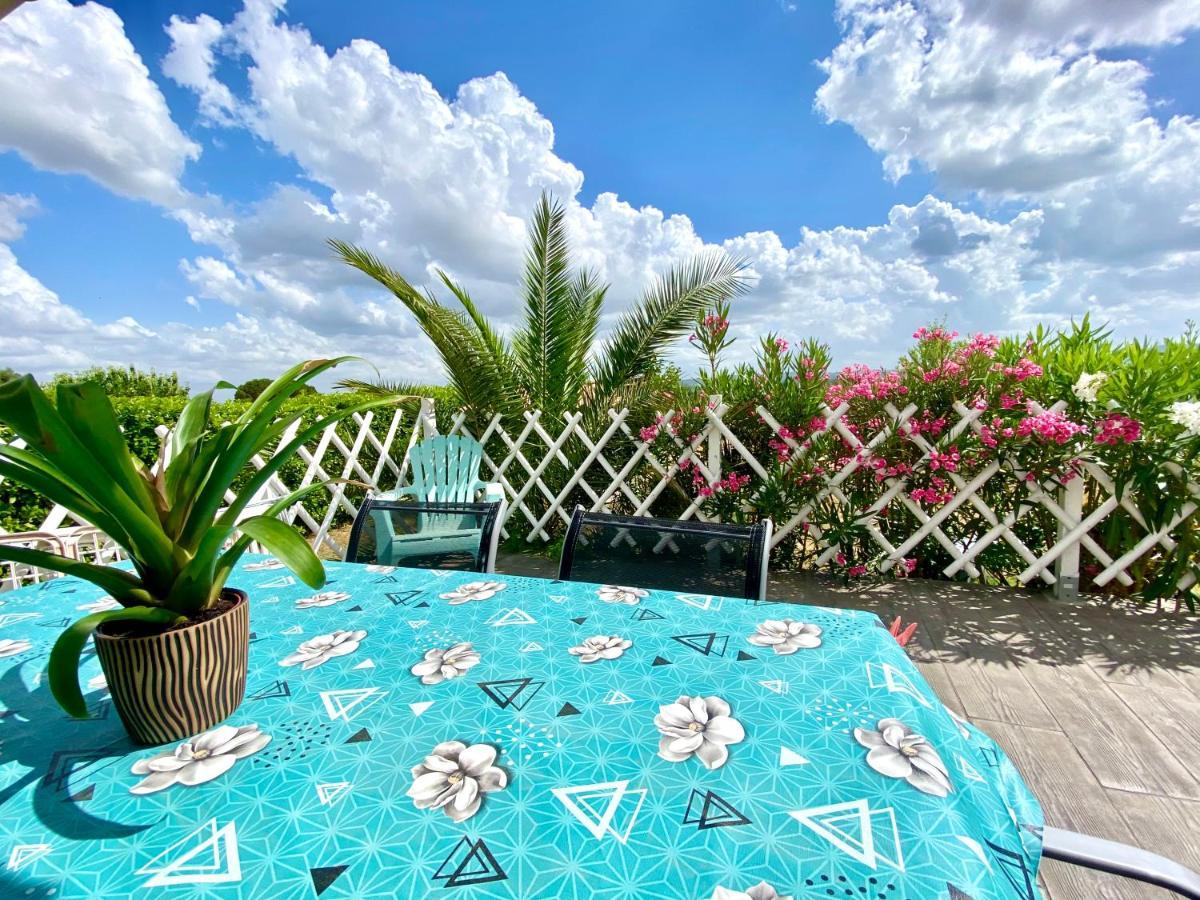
<point>174,652</point>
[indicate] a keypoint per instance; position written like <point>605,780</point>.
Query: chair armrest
<point>493,492</point>
<point>1119,859</point>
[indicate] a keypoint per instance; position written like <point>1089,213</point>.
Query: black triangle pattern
<point>743,656</point>
<point>476,865</point>
<point>324,876</point>
<point>359,736</point>
<point>402,598</point>
<point>568,710</point>
<point>511,692</point>
<point>580,620</point>
<point>86,794</point>
<point>707,810</point>
<point>1013,866</point>
<point>708,643</point>
<point>277,689</point>
<point>644,613</point>
<point>659,661</point>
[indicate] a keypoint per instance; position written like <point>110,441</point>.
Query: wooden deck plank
<point>1166,826</point>
<point>1071,798</point>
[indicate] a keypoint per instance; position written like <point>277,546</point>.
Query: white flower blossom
<point>619,593</point>
<point>11,646</point>
<point>1187,414</point>
<point>441,665</point>
<point>324,647</point>
<point>377,569</point>
<point>263,565</point>
<point>1087,388</point>
<point>896,751</point>
<point>700,726</point>
<point>473,590</point>
<point>761,891</point>
<point>454,778</point>
<point>325,598</point>
<point>600,647</point>
<point>786,636</point>
<point>200,759</point>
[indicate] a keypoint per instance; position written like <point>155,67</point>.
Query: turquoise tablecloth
<point>543,766</point>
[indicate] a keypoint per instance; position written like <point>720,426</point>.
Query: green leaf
<point>63,667</point>
<point>125,587</point>
<point>287,546</point>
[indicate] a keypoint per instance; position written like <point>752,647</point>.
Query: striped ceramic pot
<point>170,686</point>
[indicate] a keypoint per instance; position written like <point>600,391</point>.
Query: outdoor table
<point>710,747</point>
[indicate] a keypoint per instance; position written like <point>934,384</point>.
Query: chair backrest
<point>426,534</point>
<point>445,469</point>
<point>691,557</point>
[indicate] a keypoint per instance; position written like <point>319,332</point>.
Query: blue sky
<point>1059,178</point>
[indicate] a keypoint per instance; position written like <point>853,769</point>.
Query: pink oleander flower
<point>1049,426</point>
<point>781,344</point>
<point>1025,369</point>
<point>1117,428</point>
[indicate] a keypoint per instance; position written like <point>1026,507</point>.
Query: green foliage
<point>548,363</point>
<point>174,522</point>
<point>116,381</point>
<point>249,390</point>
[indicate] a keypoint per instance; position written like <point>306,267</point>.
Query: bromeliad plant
<point>173,521</point>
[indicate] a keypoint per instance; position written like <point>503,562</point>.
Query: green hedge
<point>23,510</point>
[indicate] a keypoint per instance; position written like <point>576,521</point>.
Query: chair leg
<point>1119,859</point>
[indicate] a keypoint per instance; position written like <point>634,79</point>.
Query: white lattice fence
<point>616,463</point>
<point>546,467</point>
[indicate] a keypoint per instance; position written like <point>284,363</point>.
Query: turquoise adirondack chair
<point>445,469</point>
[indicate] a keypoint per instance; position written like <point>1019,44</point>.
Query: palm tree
<point>548,362</point>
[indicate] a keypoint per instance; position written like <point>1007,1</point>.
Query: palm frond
<point>480,379</point>
<point>587,300</point>
<point>664,313</point>
<point>544,344</point>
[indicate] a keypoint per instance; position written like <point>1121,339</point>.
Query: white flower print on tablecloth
<point>599,647</point>
<point>377,569</point>
<point>454,778</point>
<point>263,565</point>
<point>200,759</point>
<point>325,598</point>
<point>760,891</point>
<point>13,646</point>
<point>896,751</point>
<point>786,636</point>
<point>441,665</point>
<point>102,605</point>
<point>619,593</point>
<point>324,647</point>
<point>473,590</point>
<point>697,726</point>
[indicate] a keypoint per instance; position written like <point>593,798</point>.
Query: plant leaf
<point>287,546</point>
<point>125,587</point>
<point>63,667</point>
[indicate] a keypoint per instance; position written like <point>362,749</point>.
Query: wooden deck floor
<point>1098,706</point>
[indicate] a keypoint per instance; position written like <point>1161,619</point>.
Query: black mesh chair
<point>695,557</point>
<point>426,534</point>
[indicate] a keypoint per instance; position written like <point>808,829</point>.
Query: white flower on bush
<point>619,593</point>
<point>895,750</point>
<point>102,605</point>
<point>761,891</point>
<point>200,759</point>
<point>441,665</point>
<point>600,647</point>
<point>1087,388</point>
<point>324,647</point>
<point>11,646</point>
<point>473,590</point>
<point>325,598</point>
<point>263,565</point>
<point>786,636</point>
<point>454,778</point>
<point>700,727</point>
<point>1187,414</point>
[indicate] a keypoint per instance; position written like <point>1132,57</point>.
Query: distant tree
<point>124,382</point>
<point>249,390</point>
<point>8,374</point>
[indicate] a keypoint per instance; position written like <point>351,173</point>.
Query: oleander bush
<point>1130,408</point>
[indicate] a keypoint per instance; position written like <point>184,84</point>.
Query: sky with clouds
<point>169,172</point>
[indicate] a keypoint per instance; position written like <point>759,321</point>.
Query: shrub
<point>123,382</point>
